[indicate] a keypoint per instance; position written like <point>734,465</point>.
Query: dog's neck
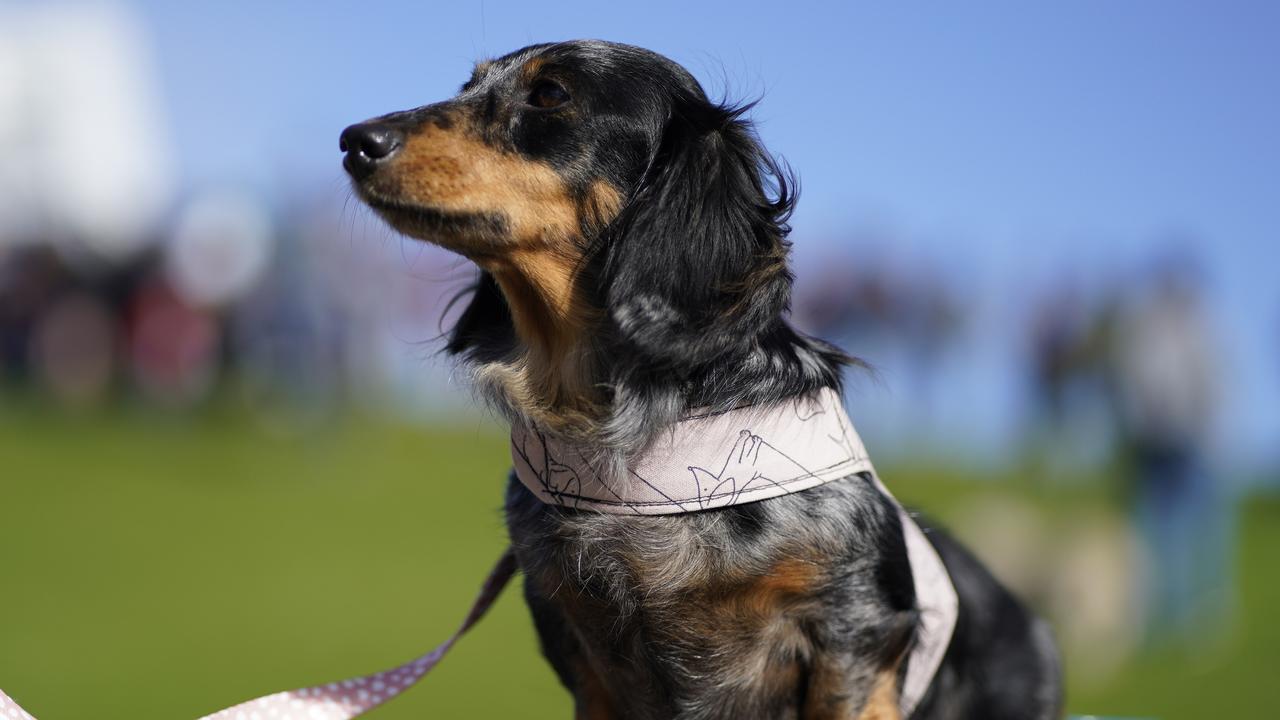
<point>544,350</point>
<point>541,288</point>
<point>548,375</point>
<point>616,402</point>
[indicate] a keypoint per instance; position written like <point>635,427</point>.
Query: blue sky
<point>1001,141</point>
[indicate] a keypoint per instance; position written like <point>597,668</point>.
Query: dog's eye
<point>548,94</point>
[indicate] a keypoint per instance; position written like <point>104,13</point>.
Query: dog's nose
<point>366,145</point>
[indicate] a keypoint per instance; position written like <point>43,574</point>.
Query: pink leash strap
<point>348,698</point>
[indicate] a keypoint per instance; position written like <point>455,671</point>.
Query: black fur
<point>675,616</point>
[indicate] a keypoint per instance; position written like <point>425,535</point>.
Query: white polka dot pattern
<point>10,710</point>
<point>348,698</point>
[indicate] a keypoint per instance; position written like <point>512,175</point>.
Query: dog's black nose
<point>366,145</point>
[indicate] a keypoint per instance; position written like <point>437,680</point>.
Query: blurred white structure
<point>87,152</point>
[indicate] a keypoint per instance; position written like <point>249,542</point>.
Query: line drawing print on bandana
<point>756,461</point>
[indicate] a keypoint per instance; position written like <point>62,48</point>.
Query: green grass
<point>1233,677</point>
<point>164,567</point>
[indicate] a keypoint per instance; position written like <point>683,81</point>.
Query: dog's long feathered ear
<point>484,331</point>
<point>696,263</point>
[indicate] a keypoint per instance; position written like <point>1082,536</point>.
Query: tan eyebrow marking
<point>531,68</point>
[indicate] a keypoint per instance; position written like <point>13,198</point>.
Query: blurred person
<point>73,349</point>
<point>173,345</point>
<point>31,278</point>
<point>930,319</point>
<point>1055,344</point>
<point>1166,383</point>
<point>1072,410</point>
<point>1053,336</point>
<point>906,321</point>
<point>826,305</point>
<point>286,338</point>
<point>856,300</point>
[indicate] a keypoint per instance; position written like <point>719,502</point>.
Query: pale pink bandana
<point>705,461</point>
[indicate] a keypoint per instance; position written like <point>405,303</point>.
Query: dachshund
<point>631,240</point>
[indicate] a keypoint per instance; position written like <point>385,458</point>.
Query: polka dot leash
<point>347,698</point>
<point>10,710</point>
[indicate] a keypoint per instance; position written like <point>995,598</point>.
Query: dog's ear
<point>695,266</point>
<point>484,331</point>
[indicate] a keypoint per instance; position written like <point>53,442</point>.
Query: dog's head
<point>601,192</point>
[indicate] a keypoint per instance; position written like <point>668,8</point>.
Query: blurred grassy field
<point>164,567</point>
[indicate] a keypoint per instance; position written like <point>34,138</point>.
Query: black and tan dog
<point>631,238</point>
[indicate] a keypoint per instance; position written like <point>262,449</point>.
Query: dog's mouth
<point>470,233</point>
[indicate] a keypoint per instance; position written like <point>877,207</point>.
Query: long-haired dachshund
<point>631,240</point>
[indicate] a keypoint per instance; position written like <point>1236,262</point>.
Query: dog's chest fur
<point>769,609</point>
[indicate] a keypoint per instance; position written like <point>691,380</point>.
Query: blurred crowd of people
<point>119,279</point>
<point>289,316</point>
<point>1143,363</point>
<point>1122,381</point>
<point>297,312</point>
<point>300,315</point>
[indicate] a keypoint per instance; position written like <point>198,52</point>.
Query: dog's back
<point>1002,663</point>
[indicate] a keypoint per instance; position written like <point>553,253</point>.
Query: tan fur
<point>787,579</point>
<point>749,629</point>
<point>455,171</point>
<point>530,69</point>
<point>826,698</point>
<point>602,204</point>
<point>883,703</point>
<point>536,264</point>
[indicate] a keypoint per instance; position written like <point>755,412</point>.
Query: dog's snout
<point>366,145</point>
